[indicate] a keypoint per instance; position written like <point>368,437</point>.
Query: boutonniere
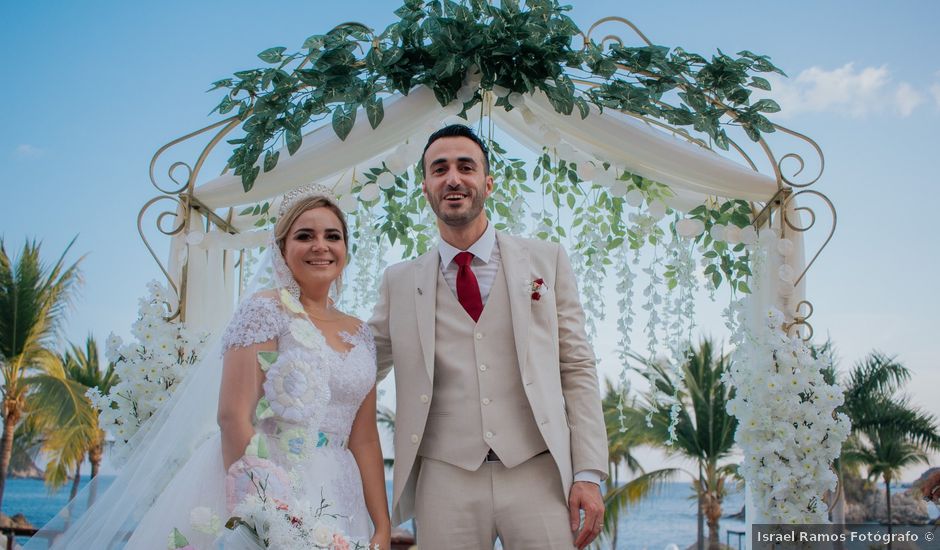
<point>535,287</point>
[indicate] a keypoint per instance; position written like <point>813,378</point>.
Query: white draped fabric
<point>692,172</point>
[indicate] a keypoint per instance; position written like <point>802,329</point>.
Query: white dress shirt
<point>485,266</point>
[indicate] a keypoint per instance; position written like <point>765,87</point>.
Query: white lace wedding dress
<point>312,393</point>
<point>176,478</point>
<point>302,424</point>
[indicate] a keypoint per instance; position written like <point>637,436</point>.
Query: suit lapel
<point>516,269</point>
<point>426,273</point>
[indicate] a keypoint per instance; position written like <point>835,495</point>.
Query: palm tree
<point>888,433</point>
<point>622,440</point>
<point>71,442</point>
<point>704,431</point>
<point>33,301</point>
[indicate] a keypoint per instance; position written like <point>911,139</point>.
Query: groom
<point>499,429</point>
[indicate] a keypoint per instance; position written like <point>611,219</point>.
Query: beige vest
<point>478,400</point>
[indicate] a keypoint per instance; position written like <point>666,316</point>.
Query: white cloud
<point>935,91</point>
<point>848,90</point>
<point>27,151</point>
<point>907,99</point>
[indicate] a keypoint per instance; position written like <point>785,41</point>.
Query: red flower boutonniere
<point>535,286</point>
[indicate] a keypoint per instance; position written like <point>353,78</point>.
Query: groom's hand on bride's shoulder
<point>586,496</point>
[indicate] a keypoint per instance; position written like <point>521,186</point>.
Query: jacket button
<point>482,368</point>
<point>488,435</point>
<point>486,400</point>
<point>414,438</point>
<point>479,336</point>
<point>425,398</point>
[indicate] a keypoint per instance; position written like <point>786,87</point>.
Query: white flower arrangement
<point>150,369</point>
<point>788,429</point>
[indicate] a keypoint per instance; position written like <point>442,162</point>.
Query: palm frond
<point>619,499</point>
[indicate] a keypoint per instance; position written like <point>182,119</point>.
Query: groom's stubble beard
<point>457,218</point>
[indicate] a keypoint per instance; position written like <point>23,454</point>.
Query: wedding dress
<point>174,482</point>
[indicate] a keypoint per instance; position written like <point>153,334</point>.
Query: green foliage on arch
<point>515,48</point>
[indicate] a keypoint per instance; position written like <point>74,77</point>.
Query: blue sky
<point>92,89</point>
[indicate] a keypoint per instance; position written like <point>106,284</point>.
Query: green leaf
<point>246,211</point>
<point>742,286</point>
<point>179,541</point>
<point>583,107</point>
<point>294,139</point>
<point>374,110</point>
<point>314,42</point>
<point>270,160</point>
<point>272,55</point>
<point>766,106</point>
<point>344,118</point>
<point>760,83</point>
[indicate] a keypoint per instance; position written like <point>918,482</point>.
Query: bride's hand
<point>381,539</point>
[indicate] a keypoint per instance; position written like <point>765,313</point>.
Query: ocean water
<point>665,517</point>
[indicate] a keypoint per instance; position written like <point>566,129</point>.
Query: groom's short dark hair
<point>459,130</point>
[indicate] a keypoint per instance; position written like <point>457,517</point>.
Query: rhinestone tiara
<point>303,192</point>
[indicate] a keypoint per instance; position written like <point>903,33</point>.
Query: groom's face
<point>455,182</point>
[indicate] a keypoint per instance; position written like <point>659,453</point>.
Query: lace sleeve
<point>257,320</point>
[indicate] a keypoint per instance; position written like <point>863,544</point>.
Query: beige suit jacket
<point>554,355</point>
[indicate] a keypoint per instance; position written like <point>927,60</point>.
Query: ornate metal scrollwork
<point>183,178</point>
<point>800,319</point>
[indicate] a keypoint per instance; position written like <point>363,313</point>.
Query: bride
<point>294,423</point>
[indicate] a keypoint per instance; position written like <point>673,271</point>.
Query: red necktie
<point>468,290</point>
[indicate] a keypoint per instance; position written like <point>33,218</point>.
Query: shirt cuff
<point>592,476</point>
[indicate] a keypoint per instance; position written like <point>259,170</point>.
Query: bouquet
<point>261,522</point>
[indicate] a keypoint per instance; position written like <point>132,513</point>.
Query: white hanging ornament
<point>749,235</point>
<point>689,228</point>
<point>466,93</point>
<point>634,198</point>
<point>195,238</point>
<point>786,274</point>
<point>385,181</point>
<point>369,192</point>
<point>717,232</point>
<point>516,99</point>
<point>618,188</point>
<point>732,234</point>
<point>395,163</point>
<point>586,171</point>
<point>657,209</point>
<point>767,237</point>
<point>785,247</point>
<point>348,203</point>
<point>604,178</point>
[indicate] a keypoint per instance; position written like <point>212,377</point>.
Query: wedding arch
<point>634,146</point>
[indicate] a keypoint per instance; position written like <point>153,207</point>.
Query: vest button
<point>486,400</point>
<point>425,398</point>
<point>479,336</point>
<point>414,438</point>
<point>488,435</point>
<point>482,368</point>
